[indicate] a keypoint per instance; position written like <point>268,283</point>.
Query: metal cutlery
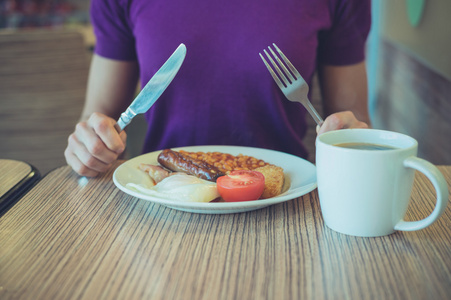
<point>154,88</point>
<point>290,81</point>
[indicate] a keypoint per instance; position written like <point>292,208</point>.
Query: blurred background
<point>45,49</point>
<point>43,13</point>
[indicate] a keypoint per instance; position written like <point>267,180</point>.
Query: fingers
<point>78,166</point>
<point>94,157</point>
<point>104,128</point>
<point>94,146</point>
<point>341,120</point>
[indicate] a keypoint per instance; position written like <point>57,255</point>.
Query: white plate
<point>300,179</point>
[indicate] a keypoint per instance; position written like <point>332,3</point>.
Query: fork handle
<point>312,111</point>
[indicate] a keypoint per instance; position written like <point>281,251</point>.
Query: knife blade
<point>154,88</point>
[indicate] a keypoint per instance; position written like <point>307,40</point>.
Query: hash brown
<point>274,180</point>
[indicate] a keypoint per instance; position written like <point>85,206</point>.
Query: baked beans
<point>226,162</point>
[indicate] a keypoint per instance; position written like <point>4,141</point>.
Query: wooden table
<point>16,177</point>
<point>71,238</point>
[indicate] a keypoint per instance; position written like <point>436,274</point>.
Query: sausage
<point>178,162</point>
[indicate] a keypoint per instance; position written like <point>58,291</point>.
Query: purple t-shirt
<point>223,93</point>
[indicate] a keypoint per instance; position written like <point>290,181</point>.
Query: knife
<point>154,88</point>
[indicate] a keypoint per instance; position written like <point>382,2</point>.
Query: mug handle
<point>441,188</point>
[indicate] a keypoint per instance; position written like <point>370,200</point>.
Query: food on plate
<point>234,178</point>
<point>227,162</point>
<point>181,187</point>
<point>180,162</point>
<point>156,173</point>
<point>274,180</point>
<point>241,185</point>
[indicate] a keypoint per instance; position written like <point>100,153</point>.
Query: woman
<point>223,93</point>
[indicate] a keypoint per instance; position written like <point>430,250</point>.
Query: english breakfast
<point>211,177</point>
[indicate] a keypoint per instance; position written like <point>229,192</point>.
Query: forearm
<point>345,88</point>
<point>111,87</point>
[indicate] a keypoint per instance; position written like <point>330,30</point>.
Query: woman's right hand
<point>94,145</point>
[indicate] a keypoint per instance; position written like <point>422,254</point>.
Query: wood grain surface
<point>11,173</point>
<point>16,178</point>
<point>43,75</point>
<point>72,238</point>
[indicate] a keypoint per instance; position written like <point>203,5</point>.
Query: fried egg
<point>181,187</point>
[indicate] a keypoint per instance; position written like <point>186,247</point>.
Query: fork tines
<point>286,77</point>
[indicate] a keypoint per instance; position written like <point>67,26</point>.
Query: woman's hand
<point>340,120</point>
<point>94,145</point>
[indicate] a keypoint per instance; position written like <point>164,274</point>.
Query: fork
<point>290,81</point>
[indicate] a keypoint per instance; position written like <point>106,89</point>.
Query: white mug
<point>367,192</point>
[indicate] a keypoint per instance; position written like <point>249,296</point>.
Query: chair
<point>43,75</point>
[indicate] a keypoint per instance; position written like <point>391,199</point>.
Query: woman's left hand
<point>340,120</point>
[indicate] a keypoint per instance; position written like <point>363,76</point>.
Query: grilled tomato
<point>241,185</point>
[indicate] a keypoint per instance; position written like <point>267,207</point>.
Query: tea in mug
<point>365,146</point>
